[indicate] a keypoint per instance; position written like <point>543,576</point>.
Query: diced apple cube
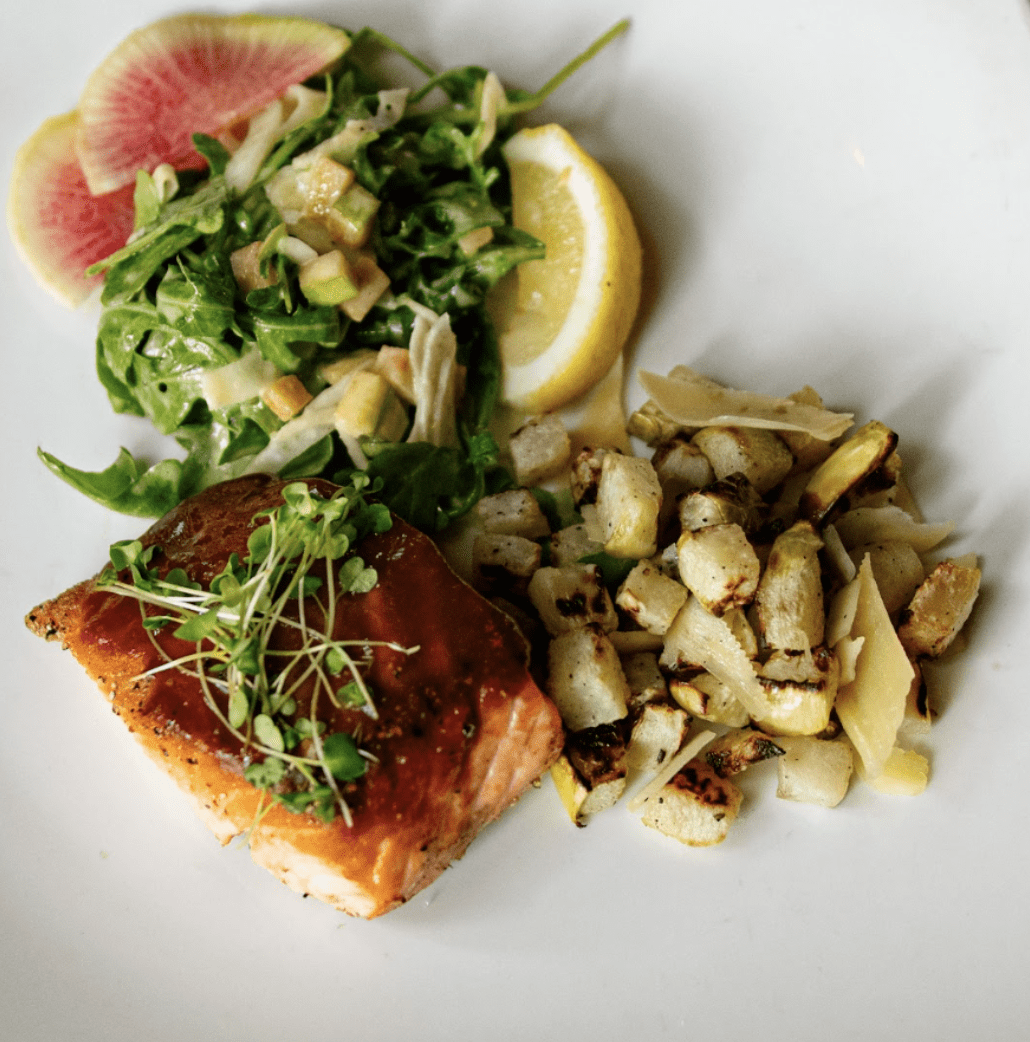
<point>369,408</point>
<point>328,280</point>
<point>350,217</point>
<point>371,282</point>
<point>246,268</point>
<point>326,181</point>
<point>286,397</point>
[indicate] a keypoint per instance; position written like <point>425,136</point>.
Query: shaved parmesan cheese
<point>905,773</point>
<point>872,706</point>
<point>841,617</point>
<point>671,769</point>
<point>698,638</point>
<point>694,401</point>
<point>867,525</point>
<point>837,554</point>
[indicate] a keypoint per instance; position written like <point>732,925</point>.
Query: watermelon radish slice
<point>59,227</point>
<point>190,73</point>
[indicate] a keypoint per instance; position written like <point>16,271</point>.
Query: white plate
<point>838,194</point>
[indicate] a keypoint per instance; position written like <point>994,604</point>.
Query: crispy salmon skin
<point>462,729</point>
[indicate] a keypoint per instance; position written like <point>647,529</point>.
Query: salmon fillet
<point>462,729</point>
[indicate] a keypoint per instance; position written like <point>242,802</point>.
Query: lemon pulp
<point>565,322</point>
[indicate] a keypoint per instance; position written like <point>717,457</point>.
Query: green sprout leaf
<point>233,622</point>
<point>342,758</point>
<point>270,772</point>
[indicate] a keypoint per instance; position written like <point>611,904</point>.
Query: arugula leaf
<point>216,154</point>
<point>613,569</point>
<point>127,486</point>
<point>429,486</point>
<point>277,332</point>
<point>198,303</point>
<point>180,222</point>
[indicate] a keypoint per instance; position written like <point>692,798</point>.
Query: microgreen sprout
<point>263,639</point>
<point>517,102</point>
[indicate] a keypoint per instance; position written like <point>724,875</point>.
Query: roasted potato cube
<point>846,468</point>
<point>681,467</point>
<point>651,599</point>
<point>585,476</point>
<point>646,681</point>
<point>814,771</point>
<point>513,512</point>
<point>569,545</point>
<point>707,697</point>
<point>696,807</point>
<point>799,690</point>
<point>939,609</point>
<point>739,749</point>
<point>789,599</point>
<point>759,454</point>
<point>629,499</point>
<point>571,597</point>
<point>733,500</point>
<point>585,679</point>
<point>504,563</point>
<point>897,569</point>
<point>879,489</point>
<point>719,566</point>
<point>658,732</point>
<point>590,774</point>
<point>539,449</point>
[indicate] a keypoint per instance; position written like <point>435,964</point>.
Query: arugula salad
<point>223,324</point>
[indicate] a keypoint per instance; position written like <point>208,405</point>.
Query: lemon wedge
<point>569,314</point>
